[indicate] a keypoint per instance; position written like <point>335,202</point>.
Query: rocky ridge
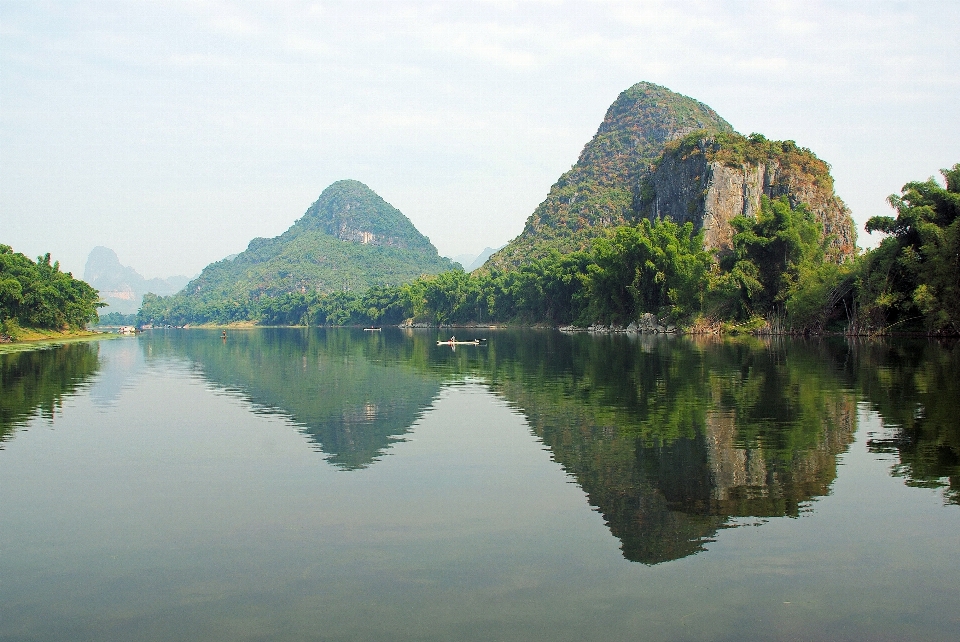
<point>661,154</point>
<point>709,179</point>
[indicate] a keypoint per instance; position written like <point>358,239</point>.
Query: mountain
<point>638,165</point>
<point>463,259</point>
<point>471,262</point>
<point>349,239</point>
<point>602,188</point>
<point>122,287</point>
<point>481,258</point>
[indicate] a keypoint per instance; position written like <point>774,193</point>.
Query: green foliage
<point>117,318</point>
<point>39,295</point>
<point>911,281</point>
<point>778,267</point>
<point>650,267</point>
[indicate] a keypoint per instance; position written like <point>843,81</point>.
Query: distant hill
<point>122,287</point>
<point>659,153</point>
<point>471,262</point>
<point>349,239</point>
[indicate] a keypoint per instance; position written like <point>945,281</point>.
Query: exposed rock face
<point>658,153</point>
<point>697,182</point>
<point>599,191</point>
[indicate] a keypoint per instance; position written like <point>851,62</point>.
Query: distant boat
<point>372,329</point>
<point>452,341</point>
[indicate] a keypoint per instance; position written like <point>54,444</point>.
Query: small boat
<point>372,329</point>
<point>452,341</point>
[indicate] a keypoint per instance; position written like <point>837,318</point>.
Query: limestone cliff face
<point>659,153</point>
<point>708,181</point>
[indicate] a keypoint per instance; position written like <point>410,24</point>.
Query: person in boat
<point>224,335</point>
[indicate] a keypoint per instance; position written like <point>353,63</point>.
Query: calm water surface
<point>342,485</point>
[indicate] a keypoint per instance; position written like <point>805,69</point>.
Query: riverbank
<point>34,338</point>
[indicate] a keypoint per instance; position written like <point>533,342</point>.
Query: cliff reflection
<point>36,381</point>
<point>671,439</point>
<point>353,394</point>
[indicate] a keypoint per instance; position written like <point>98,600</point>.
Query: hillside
<point>349,239</point>
<point>661,154</point>
<point>603,188</point>
<point>122,287</point>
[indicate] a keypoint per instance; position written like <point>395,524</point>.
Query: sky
<point>176,132</point>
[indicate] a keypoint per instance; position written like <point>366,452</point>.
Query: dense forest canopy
<point>39,295</point>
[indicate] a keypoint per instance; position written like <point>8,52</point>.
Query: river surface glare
<point>312,484</point>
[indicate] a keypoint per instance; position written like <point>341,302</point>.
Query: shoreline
<point>34,339</point>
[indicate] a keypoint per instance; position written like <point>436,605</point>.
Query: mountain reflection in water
<point>671,439</point>
<point>353,394</point>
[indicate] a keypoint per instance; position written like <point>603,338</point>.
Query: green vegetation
<point>116,318</point>
<point>604,188</point>
<point>39,295</point>
<point>912,280</point>
<point>349,240</point>
<point>782,275</point>
<point>659,268</point>
<point>779,270</point>
<point>735,150</point>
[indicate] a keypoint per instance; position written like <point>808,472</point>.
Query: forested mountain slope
<point>602,189</point>
<point>349,239</point>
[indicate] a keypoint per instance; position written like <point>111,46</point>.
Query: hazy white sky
<point>175,132</point>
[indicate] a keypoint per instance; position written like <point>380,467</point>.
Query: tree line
<point>780,275</point>
<point>38,295</point>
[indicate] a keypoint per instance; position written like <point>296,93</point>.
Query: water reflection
<point>671,439</point>
<point>37,381</point>
<point>915,386</point>
<point>353,393</point>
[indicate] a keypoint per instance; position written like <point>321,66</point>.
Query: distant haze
<point>176,132</point>
<point>122,287</point>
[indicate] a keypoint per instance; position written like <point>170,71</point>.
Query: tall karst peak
<point>349,239</point>
<point>351,211</point>
<point>603,188</point>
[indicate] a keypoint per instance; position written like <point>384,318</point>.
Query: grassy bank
<point>32,338</point>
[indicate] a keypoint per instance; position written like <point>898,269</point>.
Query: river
<point>336,484</point>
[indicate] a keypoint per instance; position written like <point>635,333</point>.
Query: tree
<point>39,295</point>
<point>912,279</point>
